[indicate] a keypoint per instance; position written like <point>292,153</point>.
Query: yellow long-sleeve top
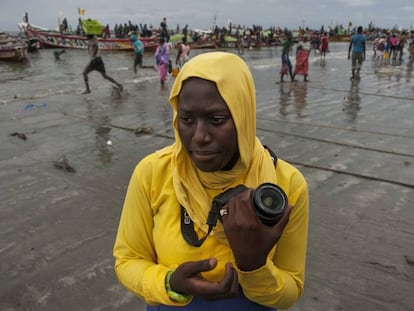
<point>149,241</point>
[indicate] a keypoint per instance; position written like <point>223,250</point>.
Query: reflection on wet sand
<point>300,92</point>
<point>409,71</point>
<point>285,93</point>
<point>352,102</point>
<point>295,93</point>
<point>103,142</point>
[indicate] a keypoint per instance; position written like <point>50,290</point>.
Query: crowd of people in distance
<point>390,47</point>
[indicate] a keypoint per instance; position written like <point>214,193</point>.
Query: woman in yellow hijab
<point>167,250</point>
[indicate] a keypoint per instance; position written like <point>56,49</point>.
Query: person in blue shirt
<point>357,46</point>
<point>139,53</point>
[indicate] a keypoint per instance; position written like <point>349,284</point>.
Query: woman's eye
<point>186,119</point>
<point>218,119</point>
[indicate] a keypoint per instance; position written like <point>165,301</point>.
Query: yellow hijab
<point>194,188</point>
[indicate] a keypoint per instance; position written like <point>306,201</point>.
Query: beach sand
<point>353,141</point>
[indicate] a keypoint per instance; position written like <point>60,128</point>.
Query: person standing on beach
<point>164,30</point>
<point>402,41</point>
<point>324,45</point>
<point>286,64</point>
<point>183,53</point>
<point>162,58</point>
<point>411,48</point>
<point>96,63</point>
<point>357,46</point>
<point>302,59</point>
<point>185,31</point>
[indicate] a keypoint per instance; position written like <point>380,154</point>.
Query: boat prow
<point>12,47</point>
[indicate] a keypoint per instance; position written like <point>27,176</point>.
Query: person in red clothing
<point>324,45</point>
<point>302,59</point>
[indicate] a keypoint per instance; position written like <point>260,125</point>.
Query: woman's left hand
<point>250,239</point>
<point>187,279</point>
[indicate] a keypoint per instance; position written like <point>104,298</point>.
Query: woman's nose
<point>201,133</point>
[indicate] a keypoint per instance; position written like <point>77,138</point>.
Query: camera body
<point>269,201</point>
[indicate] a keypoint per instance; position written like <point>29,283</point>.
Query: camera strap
<point>187,225</point>
<point>272,154</point>
<point>187,230</point>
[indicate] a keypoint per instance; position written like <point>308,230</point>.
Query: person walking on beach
<point>183,244</point>
<point>162,58</point>
<point>357,47</point>
<point>138,52</point>
<point>96,63</point>
<point>286,64</point>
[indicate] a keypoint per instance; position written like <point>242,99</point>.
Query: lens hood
<point>270,202</point>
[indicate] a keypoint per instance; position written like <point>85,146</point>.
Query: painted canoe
<point>54,39</point>
<point>12,48</point>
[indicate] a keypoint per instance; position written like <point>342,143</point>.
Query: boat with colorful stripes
<point>55,39</point>
<point>12,47</point>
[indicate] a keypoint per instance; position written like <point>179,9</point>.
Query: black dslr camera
<point>269,200</point>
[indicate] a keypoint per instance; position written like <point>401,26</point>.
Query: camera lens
<point>270,202</point>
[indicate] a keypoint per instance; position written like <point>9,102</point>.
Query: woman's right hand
<point>187,280</point>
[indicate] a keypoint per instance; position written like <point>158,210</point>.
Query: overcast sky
<point>202,14</point>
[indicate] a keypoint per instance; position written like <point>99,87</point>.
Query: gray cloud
<point>201,14</point>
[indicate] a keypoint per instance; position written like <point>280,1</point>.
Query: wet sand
<point>353,141</point>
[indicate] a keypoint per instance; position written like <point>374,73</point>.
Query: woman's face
<point>206,127</point>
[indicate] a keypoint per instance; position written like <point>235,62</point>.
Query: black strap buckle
<point>187,225</point>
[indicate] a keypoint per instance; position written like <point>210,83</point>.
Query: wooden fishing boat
<point>201,43</point>
<point>54,39</point>
<point>12,48</point>
<point>204,44</point>
<point>340,38</point>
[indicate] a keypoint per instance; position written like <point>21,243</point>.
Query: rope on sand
<point>136,131</point>
<point>339,143</point>
<point>293,162</point>
<point>390,181</point>
<point>349,129</point>
<point>411,99</point>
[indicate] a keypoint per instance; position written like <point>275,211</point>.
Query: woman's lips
<point>204,155</point>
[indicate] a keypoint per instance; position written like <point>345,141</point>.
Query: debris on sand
<point>409,260</point>
<point>22,136</point>
<point>143,130</point>
<point>63,164</point>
